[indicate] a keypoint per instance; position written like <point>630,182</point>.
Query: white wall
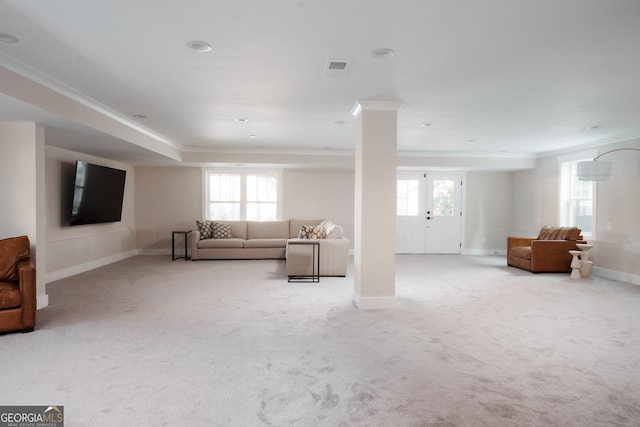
<point>71,250</point>
<point>487,212</point>
<point>167,199</point>
<point>22,191</point>
<point>320,194</point>
<point>18,179</point>
<point>535,197</point>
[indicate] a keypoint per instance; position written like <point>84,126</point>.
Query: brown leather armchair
<point>17,286</point>
<point>547,253</point>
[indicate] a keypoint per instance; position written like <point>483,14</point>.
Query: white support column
<point>22,188</point>
<point>375,204</point>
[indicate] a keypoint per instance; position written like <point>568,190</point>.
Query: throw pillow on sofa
<point>205,228</point>
<point>221,230</point>
<point>334,231</point>
<point>312,232</point>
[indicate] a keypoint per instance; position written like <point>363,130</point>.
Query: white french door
<point>429,213</point>
<point>444,214</point>
<point>410,219</point>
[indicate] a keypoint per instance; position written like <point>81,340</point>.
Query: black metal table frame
<point>173,245</point>
<point>315,264</point>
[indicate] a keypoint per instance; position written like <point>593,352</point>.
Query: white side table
<point>575,264</point>
<point>585,248</point>
<point>585,264</point>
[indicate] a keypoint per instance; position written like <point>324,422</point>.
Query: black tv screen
<point>98,194</point>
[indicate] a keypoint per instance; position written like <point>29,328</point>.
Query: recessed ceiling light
<point>139,116</point>
<point>8,38</point>
<point>426,125</point>
<point>253,136</point>
<point>241,120</point>
<point>339,122</point>
<point>383,52</point>
<point>199,46</point>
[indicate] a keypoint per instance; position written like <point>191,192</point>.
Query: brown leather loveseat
<point>547,253</point>
<point>17,286</point>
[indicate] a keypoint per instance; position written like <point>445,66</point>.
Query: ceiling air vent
<point>337,68</point>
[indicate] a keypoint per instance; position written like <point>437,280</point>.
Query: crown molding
<point>375,105</point>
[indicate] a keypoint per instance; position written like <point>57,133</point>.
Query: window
<point>244,195</point>
<point>408,197</point>
<point>444,200</point>
<point>577,199</point>
<point>262,197</point>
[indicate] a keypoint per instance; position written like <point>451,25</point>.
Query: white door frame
<point>431,172</point>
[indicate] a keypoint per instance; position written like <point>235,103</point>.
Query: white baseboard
<point>42,301</point>
<point>81,268</point>
<point>616,275</point>
<point>158,252</point>
<point>484,252</point>
<point>374,303</point>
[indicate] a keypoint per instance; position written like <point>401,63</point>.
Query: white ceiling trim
<point>375,105</point>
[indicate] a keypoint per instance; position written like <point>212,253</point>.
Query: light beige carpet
<point>150,342</point>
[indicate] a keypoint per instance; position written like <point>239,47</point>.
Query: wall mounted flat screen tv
<point>98,194</point>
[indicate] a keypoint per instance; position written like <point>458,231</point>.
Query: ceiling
<point>496,77</point>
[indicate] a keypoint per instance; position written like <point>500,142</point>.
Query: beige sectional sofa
<point>269,240</point>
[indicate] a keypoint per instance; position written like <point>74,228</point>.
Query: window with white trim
<point>577,199</point>
<point>408,197</point>
<point>242,195</point>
